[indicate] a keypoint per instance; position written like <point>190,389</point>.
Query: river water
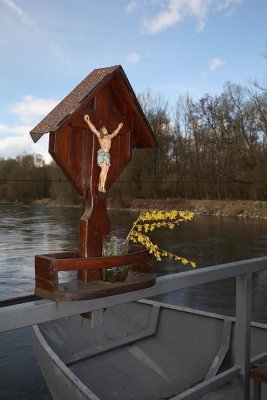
<point>30,230</point>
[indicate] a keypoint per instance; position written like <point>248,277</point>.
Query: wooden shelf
<point>77,290</point>
<point>48,266</point>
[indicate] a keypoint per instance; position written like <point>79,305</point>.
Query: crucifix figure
<point>103,156</point>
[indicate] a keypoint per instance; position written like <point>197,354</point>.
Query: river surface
<point>30,230</point>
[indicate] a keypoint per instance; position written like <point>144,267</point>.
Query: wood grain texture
<point>75,291</point>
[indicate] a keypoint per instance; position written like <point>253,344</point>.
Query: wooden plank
<point>101,262</point>
<point>79,290</point>
<point>259,373</point>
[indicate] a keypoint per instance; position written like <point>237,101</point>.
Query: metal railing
<point>34,312</point>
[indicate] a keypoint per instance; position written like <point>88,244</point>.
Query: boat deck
<point>152,350</point>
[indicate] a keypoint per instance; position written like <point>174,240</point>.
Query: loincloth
<point>102,156</point>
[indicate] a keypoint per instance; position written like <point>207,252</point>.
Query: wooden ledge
<point>78,290</point>
<point>48,266</point>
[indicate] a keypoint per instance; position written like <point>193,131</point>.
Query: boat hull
<point>144,350</point>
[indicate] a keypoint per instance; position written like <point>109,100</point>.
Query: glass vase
<point>114,246</point>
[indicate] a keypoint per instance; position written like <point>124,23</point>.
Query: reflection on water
<point>27,231</point>
<point>30,230</point>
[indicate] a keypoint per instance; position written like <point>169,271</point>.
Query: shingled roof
<point>64,110</point>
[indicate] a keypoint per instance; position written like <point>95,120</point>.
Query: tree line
<point>27,178</point>
<point>211,148</point>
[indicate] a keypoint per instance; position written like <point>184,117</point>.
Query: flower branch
<point>149,221</point>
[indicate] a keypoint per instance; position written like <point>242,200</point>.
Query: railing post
<point>242,330</point>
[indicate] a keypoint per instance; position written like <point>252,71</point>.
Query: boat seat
<point>259,375</point>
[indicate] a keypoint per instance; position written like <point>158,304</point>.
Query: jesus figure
<point>103,156</point>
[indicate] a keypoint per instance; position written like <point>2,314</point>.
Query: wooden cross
<point>107,98</point>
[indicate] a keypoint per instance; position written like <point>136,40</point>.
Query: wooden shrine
<point>104,98</point>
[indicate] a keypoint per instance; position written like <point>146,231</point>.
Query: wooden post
<point>94,224</point>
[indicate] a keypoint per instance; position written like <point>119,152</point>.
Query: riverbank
<point>226,208</point>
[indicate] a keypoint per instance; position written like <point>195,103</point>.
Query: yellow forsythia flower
<point>150,220</point>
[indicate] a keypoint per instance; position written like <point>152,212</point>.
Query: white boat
<point>146,350</point>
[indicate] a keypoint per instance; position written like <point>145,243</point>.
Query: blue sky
<point>171,47</point>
